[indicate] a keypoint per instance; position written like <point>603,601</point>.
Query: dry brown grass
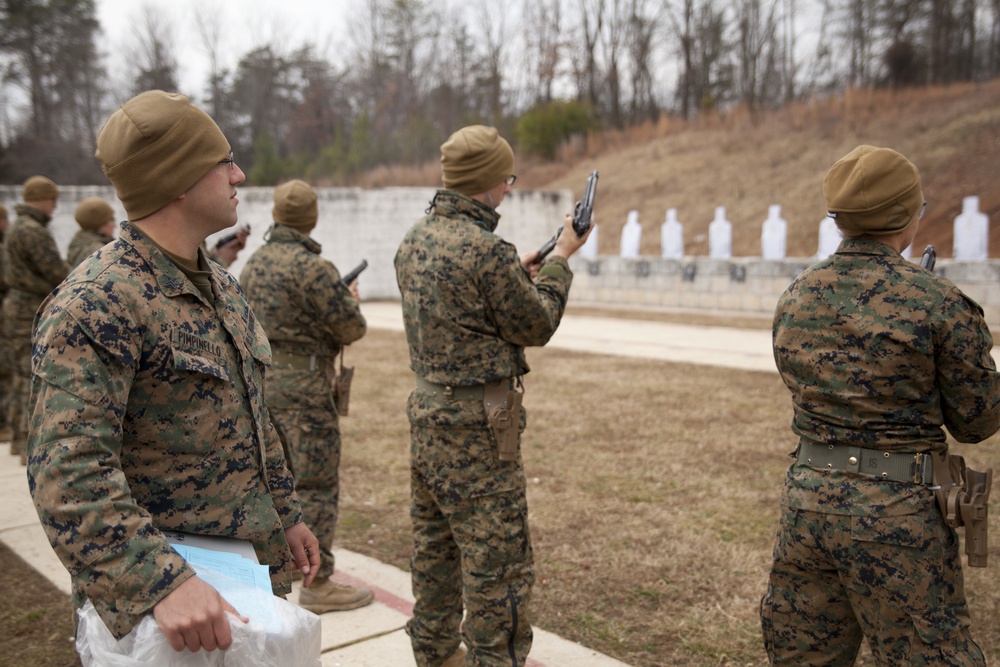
<point>653,490</point>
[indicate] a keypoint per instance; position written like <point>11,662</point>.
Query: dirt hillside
<point>748,163</point>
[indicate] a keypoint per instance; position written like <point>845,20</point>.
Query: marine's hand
<point>531,262</point>
<point>305,551</point>
<point>194,615</point>
<point>227,254</point>
<point>568,242</point>
<point>353,289</point>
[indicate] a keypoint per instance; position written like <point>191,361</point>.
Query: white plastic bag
<point>296,643</point>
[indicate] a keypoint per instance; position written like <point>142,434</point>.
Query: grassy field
<point>653,492</point>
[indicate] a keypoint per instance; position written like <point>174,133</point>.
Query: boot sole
<point>324,608</point>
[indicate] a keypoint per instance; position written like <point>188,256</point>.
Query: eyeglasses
<point>510,180</point>
<point>920,216</point>
<point>229,160</point>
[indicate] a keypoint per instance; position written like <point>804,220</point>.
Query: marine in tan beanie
<point>97,223</point>
<point>296,206</point>
<point>93,213</point>
<point>41,194</point>
<point>873,191</point>
<point>171,347</point>
<point>477,162</point>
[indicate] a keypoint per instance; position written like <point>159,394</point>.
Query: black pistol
<point>229,238</point>
<point>354,273</point>
<point>929,258</point>
<point>582,215</point>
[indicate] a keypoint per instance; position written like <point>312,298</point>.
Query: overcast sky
<point>289,23</point>
<point>245,25</point>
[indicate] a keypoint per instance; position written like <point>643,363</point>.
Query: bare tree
<point>992,65</point>
<point>612,40</point>
<point>789,69</point>
<point>682,25</point>
<point>153,56</point>
<point>640,34</point>
<point>585,58</point>
<point>705,73</point>
<point>491,19</point>
<point>860,31</point>
<point>543,38</point>
<point>211,34</point>
<point>757,51</point>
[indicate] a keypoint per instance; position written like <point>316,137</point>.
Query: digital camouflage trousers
<point>311,437</point>
<point>472,547</point>
<point>895,580</point>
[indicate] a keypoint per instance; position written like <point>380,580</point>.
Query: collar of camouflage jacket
<point>451,204</point>
<point>34,214</point>
<point>169,277</point>
<point>865,247</point>
<point>282,234</point>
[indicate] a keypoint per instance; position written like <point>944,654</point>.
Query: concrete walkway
<point>745,349</point>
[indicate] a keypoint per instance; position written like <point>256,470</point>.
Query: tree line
<point>412,71</point>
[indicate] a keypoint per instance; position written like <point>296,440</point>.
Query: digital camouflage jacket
<point>147,413</point>
<point>469,306</point>
<point>298,296</point>
<point>84,244</point>
<point>880,353</point>
<point>34,266</point>
<point>305,309</point>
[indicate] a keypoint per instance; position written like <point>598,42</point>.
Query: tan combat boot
<point>328,595</point>
<point>456,659</point>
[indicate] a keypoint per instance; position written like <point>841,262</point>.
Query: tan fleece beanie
<point>39,188</point>
<point>873,191</point>
<point>93,213</point>
<point>155,147</point>
<point>475,159</point>
<point>295,206</point>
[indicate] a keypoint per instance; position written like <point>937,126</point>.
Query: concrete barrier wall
<point>353,223</point>
<point>356,224</point>
<point>748,285</point>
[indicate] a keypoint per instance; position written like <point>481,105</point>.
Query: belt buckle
<point>918,468</point>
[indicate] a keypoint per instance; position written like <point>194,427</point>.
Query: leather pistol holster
<point>503,411</point>
<point>963,497</point>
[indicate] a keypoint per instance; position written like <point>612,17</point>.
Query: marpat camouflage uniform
<point>147,414</point>
<point>308,315</point>
<point>469,308</point>
<point>6,353</point>
<point>34,268</point>
<point>84,244</point>
<point>878,353</point>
